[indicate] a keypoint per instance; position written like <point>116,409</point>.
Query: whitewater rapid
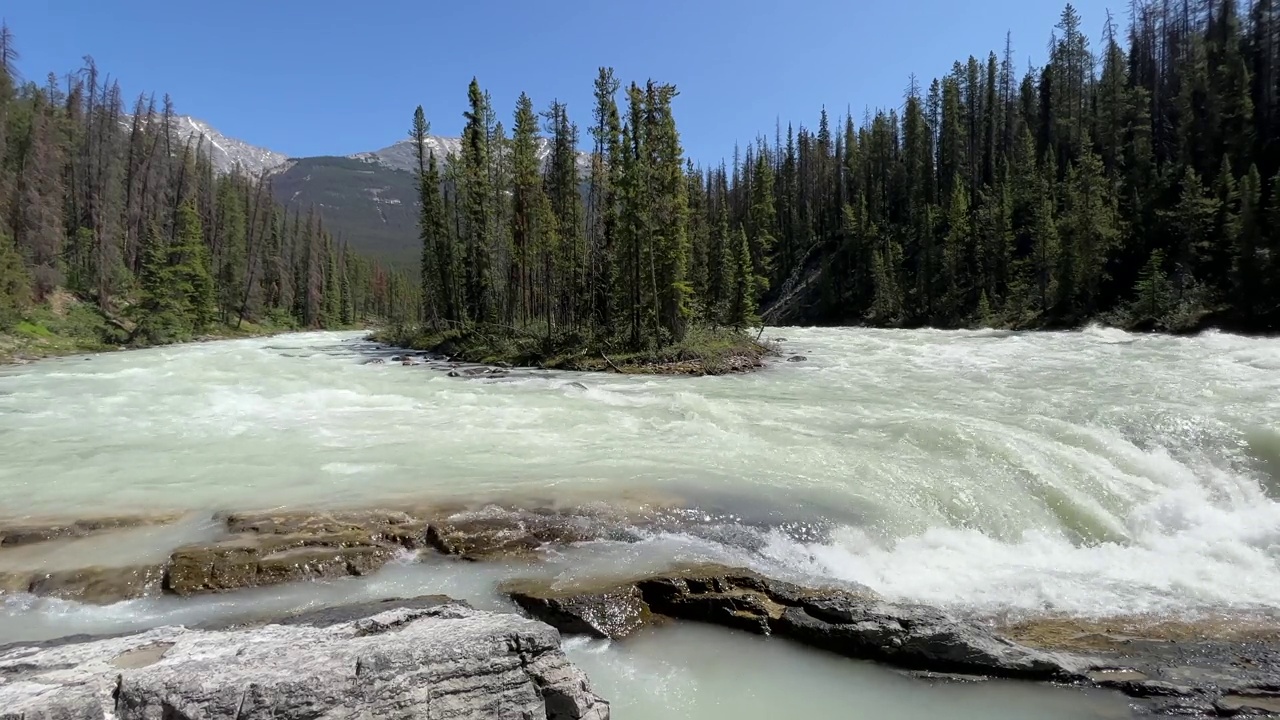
<point>1091,473</point>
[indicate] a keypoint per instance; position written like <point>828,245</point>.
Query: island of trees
<point>114,232</point>
<point>1136,184</point>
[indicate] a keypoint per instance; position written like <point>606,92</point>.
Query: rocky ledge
<point>269,548</point>
<point>421,658</point>
<point>1164,676</point>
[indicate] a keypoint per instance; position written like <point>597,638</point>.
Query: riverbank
<point>68,326</point>
<point>704,351</point>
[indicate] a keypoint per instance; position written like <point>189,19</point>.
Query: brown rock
<point>612,613</point>
<point>379,526</point>
<point>34,532</point>
<point>99,585</point>
<point>508,533</point>
<point>271,559</point>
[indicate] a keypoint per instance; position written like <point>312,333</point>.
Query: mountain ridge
<point>367,199</point>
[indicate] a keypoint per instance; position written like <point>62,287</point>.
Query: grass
<point>703,351</point>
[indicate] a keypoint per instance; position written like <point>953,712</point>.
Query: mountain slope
<point>368,198</point>
<point>226,152</point>
<point>368,205</point>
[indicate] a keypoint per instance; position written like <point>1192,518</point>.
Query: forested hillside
<point>1132,179</point>
<point>105,213</point>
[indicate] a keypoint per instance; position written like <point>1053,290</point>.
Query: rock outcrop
<point>855,623</point>
<point>396,660</point>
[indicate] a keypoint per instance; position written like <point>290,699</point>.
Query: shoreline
<point>1166,664</point>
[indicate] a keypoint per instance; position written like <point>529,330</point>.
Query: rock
<point>408,361</point>
<point>98,585</point>
<point>577,385</point>
<point>396,661</point>
<point>485,535</point>
<point>797,358</point>
<point>374,361</point>
<point>34,532</point>
<point>852,622</point>
<point>779,339</point>
<point>270,549</point>
<point>612,613</point>
<point>1250,703</point>
<point>468,372</point>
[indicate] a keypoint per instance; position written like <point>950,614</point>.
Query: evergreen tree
<point>742,304</point>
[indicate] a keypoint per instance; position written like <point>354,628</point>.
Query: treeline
<point>1137,184</point>
<point>121,211</point>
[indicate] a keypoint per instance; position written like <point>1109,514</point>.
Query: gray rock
<point>446,661</point>
<point>797,358</point>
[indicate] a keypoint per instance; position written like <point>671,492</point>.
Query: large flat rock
<point>409,660</point>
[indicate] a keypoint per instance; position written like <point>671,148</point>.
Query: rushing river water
<point>1090,473</point>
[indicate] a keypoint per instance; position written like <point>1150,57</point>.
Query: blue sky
<point>336,77</point>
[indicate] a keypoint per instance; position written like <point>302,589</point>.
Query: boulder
<point>392,662</point>
<point>797,358</point>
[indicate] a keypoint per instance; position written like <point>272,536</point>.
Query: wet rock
<point>98,585</point>
<point>797,358</point>
<point>505,533</point>
<point>852,622</point>
<point>577,385</point>
<point>397,660</point>
<point>242,563</point>
<point>408,361</point>
<point>406,529</point>
<point>779,339</point>
<point>274,548</point>
<point>33,532</point>
<point>460,372</point>
<point>1218,664</point>
<point>1249,703</point>
<point>374,361</point>
<point>612,613</point>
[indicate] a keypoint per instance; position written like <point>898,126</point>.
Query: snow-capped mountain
<point>226,152</point>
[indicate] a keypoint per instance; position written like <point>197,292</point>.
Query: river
<point>1093,473</point>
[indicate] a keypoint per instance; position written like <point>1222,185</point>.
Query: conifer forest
<point>1131,179</point>
<point>104,202</point>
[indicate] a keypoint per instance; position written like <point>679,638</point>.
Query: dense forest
<point>1136,184</point>
<point>113,211</point>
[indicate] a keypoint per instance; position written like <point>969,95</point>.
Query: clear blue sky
<point>335,77</point>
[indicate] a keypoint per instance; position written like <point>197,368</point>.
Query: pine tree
<point>475,197</point>
<point>742,303</point>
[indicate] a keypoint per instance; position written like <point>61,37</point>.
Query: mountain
<point>226,152</point>
<point>367,198</point>
<point>369,205</point>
